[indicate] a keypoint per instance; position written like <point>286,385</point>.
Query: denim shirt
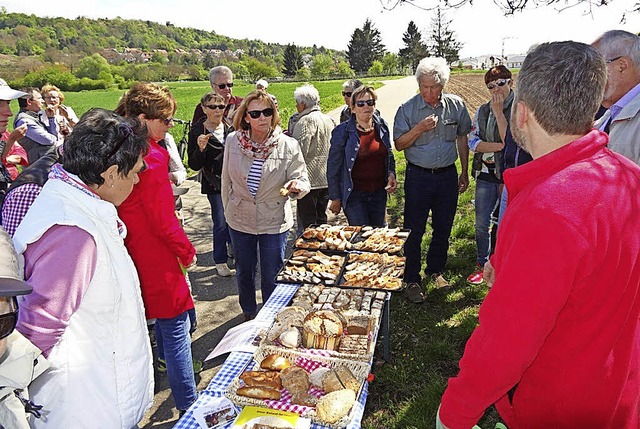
<point>435,148</point>
<point>345,142</point>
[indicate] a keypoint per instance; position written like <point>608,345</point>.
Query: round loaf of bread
<point>322,330</point>
<point>335,405</point>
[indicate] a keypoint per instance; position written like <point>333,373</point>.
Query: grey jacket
<point>624,130</point>
<point>313,132</point>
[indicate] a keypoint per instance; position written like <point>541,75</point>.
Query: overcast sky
<point>481,28</point>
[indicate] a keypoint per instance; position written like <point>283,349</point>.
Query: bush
<point>86,84</point>
<point>56,75</point>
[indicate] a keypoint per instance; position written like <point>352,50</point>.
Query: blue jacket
<point>345,143</point>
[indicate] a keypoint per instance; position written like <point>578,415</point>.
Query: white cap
<point>263,83</point>
<point>6,93</point>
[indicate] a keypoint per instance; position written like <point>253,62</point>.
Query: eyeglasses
<point>167,121</point>
<point>215,106</point>
<point>346,94</point>
<point>51,97</point>
<point>370,103</point>
<point>614,59</point>
<point>9,320</point>
<point>225,85</point>
<point>498,82</point>
<point>255,114</point>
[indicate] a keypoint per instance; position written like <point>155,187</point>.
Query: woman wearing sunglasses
<point>263,170</point>
<point>361,169</point>
<point>157,243</point>
<point>487,140</point>
<point>205,150</point>
<point>86,312</point>
<point>20,361</point>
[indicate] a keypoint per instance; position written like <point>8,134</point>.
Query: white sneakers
<point>224,271</point>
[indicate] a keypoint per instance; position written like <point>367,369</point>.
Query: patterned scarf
<point>258,150</point>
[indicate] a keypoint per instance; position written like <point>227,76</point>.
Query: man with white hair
<point>262,85</point>
<point>560,350</point>
<point>313,132</point>
<point>621,51</point>
<point>432,129</point>
<point>6,95</point>
<point>221,80</point>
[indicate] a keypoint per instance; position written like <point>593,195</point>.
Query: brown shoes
<point>414,293</point>
<point>440,281</point>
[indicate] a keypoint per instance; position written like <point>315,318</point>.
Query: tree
<point>390,63</point>
<point>376,68</point>
<point>92,66</point>
<point>321,66</point>
<point>414,48</point>
<point>258,69</point>
<point>344,70</point>
<point>292,60</point>
<point>365,47</point>
<point>443,40</point>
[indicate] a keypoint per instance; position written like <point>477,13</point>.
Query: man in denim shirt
<point>432,129</point>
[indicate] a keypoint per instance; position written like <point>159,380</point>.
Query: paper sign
<point>241,338</point>
<point>215,414</point>
<point>253,417</point>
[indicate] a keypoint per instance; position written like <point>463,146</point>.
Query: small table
<point>237,361</point>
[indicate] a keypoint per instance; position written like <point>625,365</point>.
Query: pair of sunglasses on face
<point>255,114</point>
<point>370,103</point>
<point>8,320</point>
<point>225,85</point>
<point>498,82</point>
<point>346,94</point>
<point>215,106</point>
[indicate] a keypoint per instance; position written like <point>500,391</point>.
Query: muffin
<point>322,330</point>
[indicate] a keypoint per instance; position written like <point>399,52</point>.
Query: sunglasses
<point>225,85</point>
<point>255,114</point>
<point>167,121</point>
<point>215,106</point>
<point>346,94</point>
<point>499,82</point>
<point>370,103</point>
<point>9,320</point>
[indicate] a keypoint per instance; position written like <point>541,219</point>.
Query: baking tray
<point>359,369</point>
<point>380,240</point>
<point>298,268</point>
<point>381,272</point>
<point>311,238</point>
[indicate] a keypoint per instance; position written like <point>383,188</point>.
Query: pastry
<point>290,338</point>
<point>335,405</point>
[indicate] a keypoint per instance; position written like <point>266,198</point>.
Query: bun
<point>295,379</point>
<point>335,405</point>
<point>259,393</point>
<point>274,362</point>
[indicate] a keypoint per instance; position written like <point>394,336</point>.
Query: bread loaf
<point>331,382</point>
<point>259,392</point>
<point>295,379</point>
<point>274,362</point>
<point>269,379</point>
<point>339,378</point>
<point>335,405</point>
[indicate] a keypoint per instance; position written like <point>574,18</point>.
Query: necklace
<point>363,129</point>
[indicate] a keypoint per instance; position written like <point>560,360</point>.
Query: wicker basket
<point>373,335</point>
<point>359,369</point>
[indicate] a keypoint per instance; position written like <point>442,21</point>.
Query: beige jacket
<point>313,132</point>
<point>624,129</point>
<point>268,212</point>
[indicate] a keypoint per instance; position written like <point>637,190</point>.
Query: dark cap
<point>13,287</point>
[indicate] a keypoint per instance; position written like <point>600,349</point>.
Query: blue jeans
<point>220,229</point>
<point>366,208</point>
<point>487,199</point>
<point>435,193</point>
<point>246,247</point>
<point>503,203</point>
<point>173,336</point>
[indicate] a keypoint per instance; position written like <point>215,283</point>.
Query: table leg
<point>385,328</point>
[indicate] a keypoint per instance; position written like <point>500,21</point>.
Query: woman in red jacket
<point>157,243</point>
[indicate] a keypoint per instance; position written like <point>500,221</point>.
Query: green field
<point>188,94</point>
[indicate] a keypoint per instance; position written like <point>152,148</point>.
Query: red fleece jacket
<point>557,345</point>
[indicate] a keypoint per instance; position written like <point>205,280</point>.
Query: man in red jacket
<point>561,351</point>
